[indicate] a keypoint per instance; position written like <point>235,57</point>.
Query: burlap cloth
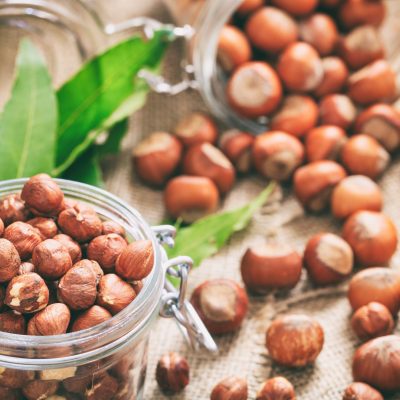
<point>244,353</point>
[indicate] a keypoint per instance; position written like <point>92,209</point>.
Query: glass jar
<point>108,361</point>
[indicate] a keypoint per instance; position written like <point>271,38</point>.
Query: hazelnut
<point>278,388</point>
<point>328,258</point>
<point>12,209</point>
<point>136,260</point>
<point>233,48</point>
<point>78,287</point>
<point>231,388</point>
<point>9,260</point>
<point>273,266</point>
<point>221,304</point>
<point>24,237</point>
<point>53,320</point>
<point>277,154</point>
<point>105,249</point>
<point>12,322</point>
<point>294,340</point>
<point>373,83</point>
<point>338,110</point>
<point>325,143</point>
<point>103,388</point>
<point>9,394</point>
<point>113,227</point>
<point>363,155</point>
<point>377,363</point>
<point>37,389</point>
<point>313,183</point>
<point>335,76</point>
<point>361,391</point>
<point>271,29</point>
<point>80,222</point>
<point>360,12</point>
<point>320,31</point>
<point>297,115</point>
<point>51,259</point>
<point>114,293</point>
<point>356,193</point>
<point>381,121</point>
<point>236,145</point>
<point>371,321</point>
<point>73,247</point>
<point>254,89</point>
<point>248,6</point>
<point>26,268</point>
<point>206,160</point>
<point>14,378</point>
<point>172,373</point>
<point>157,157</point>
<point>27,293</point>
<point>361,46</point>
<point>191,197</point>
<point>42,195</point>
<point>95,315</point>
<point>381,285</point>
<point>298,7</point>
<point>46,226</point>
<point>300,67</point>
<point>81,380</point>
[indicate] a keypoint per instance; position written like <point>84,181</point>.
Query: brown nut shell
<point>37,389</point>
<point>277,388</point>
<point>248,6</point>
<point>361,391</point>
<point>12,322</point>
<point>172,373</point>
<point>113,227</point>
<point>337,110</point>
<point>53,320</point>
<point>298,7</point>
<point>231,388</point>
<point>335,76</point>
<point>73,247</point>
<point>103,388</point>
<point>14,378</point>
<point>359,12</point>
<point>9,260</point>
<point>95,315</point>
<point>13,209</point>
<point>46,226</point>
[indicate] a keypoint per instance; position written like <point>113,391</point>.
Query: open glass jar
<point>108,361</point>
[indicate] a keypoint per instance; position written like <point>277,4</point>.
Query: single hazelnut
<point>24,237</point>
<point>157,157</point>
<point>233,48</point>
<point>78,287</point>
<point>298,7</point>
<point>196,128</point>
<point>378,284</point>
<point>277,154</point>
<point>328,259</point>
<point>248,6</point>
<point>361,46</point>
<point>231,388</point>
<point>114,293</point>
<point>27,293</point>
<point>103,388</point>
<point>273,266</point>
<point>297,115</point>
<point>113,227</point>
<point>42,195</point>
<point>14,378</point>
<point>237,145</point>
<point>278,388</point>
<point>371,321</point>
<point>93,265</point>
<point>325,143</point>
<point>271,29</point>
<point>73,247</point>
<point>335,76</point>
<point>300,67</point>
<point>338,110</point>
<point>320,31</point>
<point>381,121</point>
<point>9,394</point>
<point>46,226</point>
<point>377,363</point>
<point>313,183</point>
<point>95,315</point>
<point>360,12</point>
<point>51,259</point>
<point>221,304</point>
<point>254,89</point>
<point>81,380</point>
<point>172,373</point>
<point>356,193</point>
<point>13,209</point>
<point>105,249</point>
<point>9,260</point>
<point>12,322</point>
<point>191,197</point>
<point>374,83</point>
<point>294,340</point>
<point>206,160</point>
<point>80,222</point>
<point>361,391</point>
<point>37,389</point>
<point>53,320</point>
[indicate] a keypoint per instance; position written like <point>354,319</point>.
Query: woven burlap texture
<point>244,353</point>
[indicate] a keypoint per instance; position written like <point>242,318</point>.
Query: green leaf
<point>29,121</point>
<point>115,135</point>
<point>206,236</point>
